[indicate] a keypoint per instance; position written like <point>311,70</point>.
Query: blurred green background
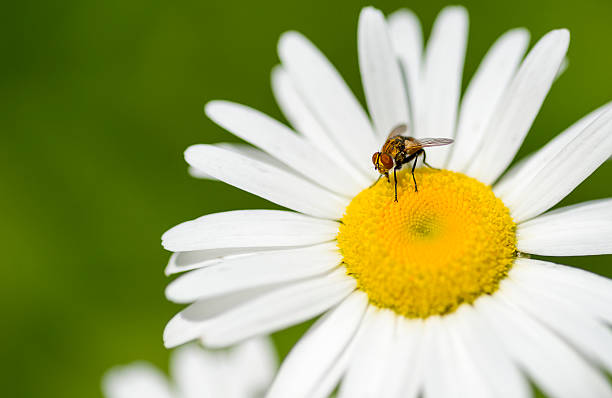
<point>99,100</point>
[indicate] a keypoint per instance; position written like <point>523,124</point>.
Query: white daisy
<point>435,294</point>
<point>244,371</point>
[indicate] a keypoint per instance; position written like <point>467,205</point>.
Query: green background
<point>98,102</point>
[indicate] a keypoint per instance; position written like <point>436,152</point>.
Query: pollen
<point>447,244</point>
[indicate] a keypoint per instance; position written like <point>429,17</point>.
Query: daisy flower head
<point>245,371</point>
<point>434,295</point>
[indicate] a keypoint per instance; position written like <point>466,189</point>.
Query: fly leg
<point>398,166</point>
<point>416,189</point>
<point>395,180</point>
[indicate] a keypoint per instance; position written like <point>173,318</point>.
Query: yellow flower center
<point>447,244</point>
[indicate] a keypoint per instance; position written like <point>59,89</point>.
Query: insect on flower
<point>399,150</point>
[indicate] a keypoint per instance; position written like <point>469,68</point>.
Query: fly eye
<point>375,159</point>
<point>386,160</point>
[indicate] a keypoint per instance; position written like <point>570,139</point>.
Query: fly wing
<point>425,142</point>
<point>398,130</point>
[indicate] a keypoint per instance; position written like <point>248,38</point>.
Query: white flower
<point>434,294</point>
<point>244,371</point>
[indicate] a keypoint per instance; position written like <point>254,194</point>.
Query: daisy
<point>244,371</point>
<point>435,294</point>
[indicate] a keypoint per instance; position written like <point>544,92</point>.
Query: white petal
<point>442,75</point>
<point>305,121</point>
<point>522,172</point>
<point>198,373</point>
<point>483,93</point>
<point>279,309</point>
<point>508,179</point>
<point>355,344</point>
<point>591,292</point>
<point>188,324</point>
<point>407,39</point>
<point>439,380</point>
<point>280,142</point>
<point>557,369</point>
<point>269,182</point>
<point>404,369</point>
<point>564,172</point>
<point>562,68</point>
<point>249,228</point>
<point>195,173</point>
<point>187,261</point>
<point>317,353</point>
<point>253,364</point>
<point>471,382</point>
<point>244,149</point>
<point>450,368</point>
<point>328,383</point>
<point>561,314</point>
<point>579,230</point>
<point>330,99</point>
<point>380,74</point>
<point>139,379</point>
<point>367,371</point>
<point>258,270</point>
<point>500,374</point>
<point>519,106</point>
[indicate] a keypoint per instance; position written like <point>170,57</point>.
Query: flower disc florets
<point>447,244</point>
